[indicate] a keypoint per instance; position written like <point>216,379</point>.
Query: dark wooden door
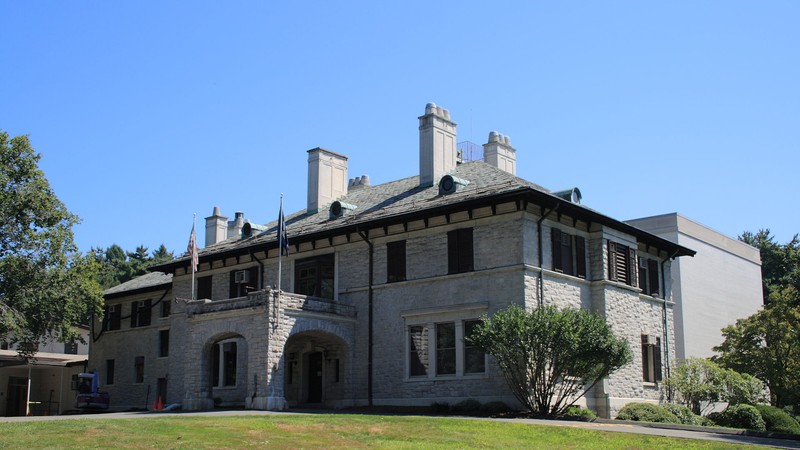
<point>315,377</point>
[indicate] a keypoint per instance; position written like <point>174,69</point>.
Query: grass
<point>318,431</point>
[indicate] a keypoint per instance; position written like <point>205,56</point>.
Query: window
<point>648,276</point>
<point>474,357</point>
<point>459,251</point>
<point>446,348</point>
<point>71,348</point>
<point>204,287</point>
<point>224,364</point>
<point>395,261</point>
<point>418,351</point>
<point>621,263</point>
<point>166,308</point>
<point>651,358</point>
<point>112,317</point>
<point>163,343</point>
<point>314,276</point>
<point>3,345</point>
<point>243,281</point>
<point>138,369</point>
<point>109,371</point>
<point>569,253</point>
<point>140,313</point>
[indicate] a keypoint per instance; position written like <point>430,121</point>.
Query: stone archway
<point>224,369</point>
<point>316,372</point>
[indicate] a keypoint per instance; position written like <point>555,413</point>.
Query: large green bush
<point>740,416</point>
<point>685,414</point>
<point>646,412</point>
<point>580,413</point>
<point>778,420</point>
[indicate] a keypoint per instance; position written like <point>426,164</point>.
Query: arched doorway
<point>315,369</point>
<point>225,358</point>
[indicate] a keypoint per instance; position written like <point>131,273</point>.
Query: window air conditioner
<point>242,276</point>
<point>650,340</point>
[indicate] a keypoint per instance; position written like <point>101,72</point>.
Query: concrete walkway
<point>726,436</point>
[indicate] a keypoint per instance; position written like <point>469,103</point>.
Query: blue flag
<point>283,240</point>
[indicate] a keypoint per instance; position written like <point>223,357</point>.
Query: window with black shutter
<point>651,359</point>
<point>621,263</point>
<point>569,253</point>
<point>315,276</point>
<point>648,277</point>
<point>113,317</point>
<point>243,281</point>
<point>459,251</point>
<point>395,261</point>
<point>204,287</point>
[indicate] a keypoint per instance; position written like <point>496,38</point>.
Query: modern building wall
<point>719,285</point>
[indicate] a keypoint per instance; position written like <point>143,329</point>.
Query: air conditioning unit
<point>650,340</point>
<point>242,276</point>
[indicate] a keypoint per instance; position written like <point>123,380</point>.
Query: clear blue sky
<point>148,112</point>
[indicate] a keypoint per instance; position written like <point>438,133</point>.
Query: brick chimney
<point>235,226</point>
<point>499,153</point>
<point>327,178</point>
<point>216,227</point>
<point>437,145</point>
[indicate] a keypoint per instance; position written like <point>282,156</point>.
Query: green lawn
<point>317,431</point>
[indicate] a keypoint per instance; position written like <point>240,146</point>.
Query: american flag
<point>192,250</point>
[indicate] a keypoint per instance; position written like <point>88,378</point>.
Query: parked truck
<point>89,394</point>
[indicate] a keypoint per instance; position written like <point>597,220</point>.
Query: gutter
<point>539,237</point>
<point>666,322</point>
<point>365,237</point>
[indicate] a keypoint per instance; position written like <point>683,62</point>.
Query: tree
<point>767,346</point>
<point>550,357</point>
<point>46,286</point>
<point>701,382</point>
<point>780,264</point>
<point>118,266</point>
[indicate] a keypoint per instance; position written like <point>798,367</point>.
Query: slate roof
<point>403,200</point>
<point>146,282</point>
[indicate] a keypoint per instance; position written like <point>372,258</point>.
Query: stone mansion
<point>380,287</point>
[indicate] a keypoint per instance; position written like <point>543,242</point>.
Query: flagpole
<point>281,224</point>
<point>194,268</point>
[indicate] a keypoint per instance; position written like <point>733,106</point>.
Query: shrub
<point>646,412</point>
<point>580,413</point>
<point>740,416</point>
<point>778,420</point>
<point>493,408</point>
<point>440,407</point>
<point>469,405</point>
<point>684,414</point>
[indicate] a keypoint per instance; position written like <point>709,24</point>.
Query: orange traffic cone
<point>155,404</point>
<point>160,404</point>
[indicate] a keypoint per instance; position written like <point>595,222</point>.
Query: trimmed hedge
<point>646,412</point>
<point>581,413</point>
<point>685,415</point>
<point>740,416</point>
<point>778,420</point>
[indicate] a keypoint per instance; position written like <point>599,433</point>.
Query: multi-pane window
<point>474,357</point>
<point>648,276</point>
<point>71,348</point>
<point>621,263</point>
<point>315,276</point>
<point>112,317</point>
<point>224,364</point>
<point>109,371</point>
<point>140,313</point>
<point>418,350</point>
<point>446,348</point>
<point>243,281</point>
<point>651,358</point>
<point>163,343</point>
<point>395,261</point>
<point>569,253</point>
<point>166,308</point>
<point>459,251</point>
<point>138,369</point>
<point>204,287</point>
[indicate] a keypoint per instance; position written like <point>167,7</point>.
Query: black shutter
<point>657,359</point>
<point>465,255</point>
<point>134,314</point>
<point>612,261</point>
<point>580,257</point>
<point>233,292</point>
<point>632,267</point>
<point>144,313</point>
<point>652,269</point>
<point>555,240</point>
<point>645,364</point>
<point>253,283</point>
<point>452,251</point>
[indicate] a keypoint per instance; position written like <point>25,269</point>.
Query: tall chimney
<point>235,225</point>
<point>499,153</point>
<point>327,178</point>
<point>437,145</point>
<point>216,227</point>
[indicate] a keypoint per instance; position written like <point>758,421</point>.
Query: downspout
<point>666,322</point>
<point>365,237</point>
<point>539,237</point>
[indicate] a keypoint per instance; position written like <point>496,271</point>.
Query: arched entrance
<point>225,358</point>
<point>315,369</point>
